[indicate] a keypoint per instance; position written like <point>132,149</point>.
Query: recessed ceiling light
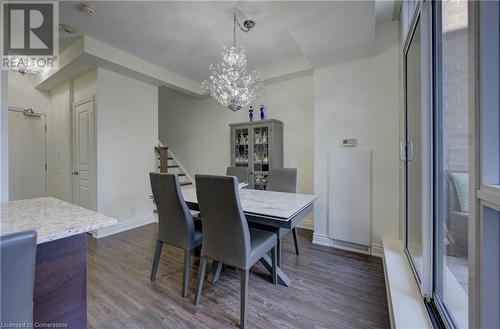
<point>66,28</point>
<point>88,9</point>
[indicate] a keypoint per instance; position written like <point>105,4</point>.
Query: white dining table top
<point>278,205</point>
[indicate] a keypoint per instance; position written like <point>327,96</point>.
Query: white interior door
<point>27,156</point>
<point>83,154</point>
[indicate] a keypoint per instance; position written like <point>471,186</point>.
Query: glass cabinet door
<point>241,147</point>
<point>260,156</point>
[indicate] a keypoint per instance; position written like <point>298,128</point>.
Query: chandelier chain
<point>243,29</point>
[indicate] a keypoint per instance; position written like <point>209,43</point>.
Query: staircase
<point>167,163</point>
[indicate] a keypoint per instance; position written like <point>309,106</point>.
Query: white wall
<point>57,105</point>
<point>197,129</point>
<point>85,85</point>
<point>127,131</point>
<point>60,183</point>
<point>22,93</point>
<point>60,127</point>
<point>359,99</point>
<point>4,137</point>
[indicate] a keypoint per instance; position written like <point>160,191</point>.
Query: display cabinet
<point>257,145</point>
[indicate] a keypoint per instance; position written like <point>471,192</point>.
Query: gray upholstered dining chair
<point>18,257</point>
<point>175,223</point>
<point>242,173</point>
<point>226,235</point>
<point>284,180</point>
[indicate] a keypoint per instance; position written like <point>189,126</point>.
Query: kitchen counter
<point>51,218</point>
<point>60,291</point>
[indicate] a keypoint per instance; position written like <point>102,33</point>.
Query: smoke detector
<point>67,28</point>
<point>249,24</point>
<point>89,10</point>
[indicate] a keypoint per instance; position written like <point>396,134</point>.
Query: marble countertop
<point>51,218</point>
<point>278,205</point>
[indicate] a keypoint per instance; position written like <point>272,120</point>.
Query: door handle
<point>402,150</point>
<point>406,151</point>
<point>75,172</point>
<point>410,150</point>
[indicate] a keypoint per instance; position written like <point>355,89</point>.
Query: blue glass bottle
<point>262,115</point>
<point>250,113</point>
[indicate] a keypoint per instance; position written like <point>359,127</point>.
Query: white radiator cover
<point>349,196</point>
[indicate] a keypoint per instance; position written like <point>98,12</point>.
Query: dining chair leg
<point>215,271</point>
<point>244,298</point>
<point>278,250</point>
<point>295,240</point>
<point>201,278</point>
<point>185,275</point>
<point>156,259</point>
<point>274,260</point>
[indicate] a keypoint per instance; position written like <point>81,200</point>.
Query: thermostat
<point>349,142</point>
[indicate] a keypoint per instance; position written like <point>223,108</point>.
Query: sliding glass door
<point>413,172</point>
<point>451,161</point>
<point>437,156</point>
<point>417,145</point>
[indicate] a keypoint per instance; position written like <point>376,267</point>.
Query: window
<point>488,96</point>
<point>490,273</point>
<point>487,217</point>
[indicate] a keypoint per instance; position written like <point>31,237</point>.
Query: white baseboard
<point>321,240</point>
<point>377,250</point>
<point>123,226</point>
<point>307,224</point>
<point>342,247</point>
<point>324,240</point>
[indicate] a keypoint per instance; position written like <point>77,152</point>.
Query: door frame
<point>92,151</point>
<point>46,117</point>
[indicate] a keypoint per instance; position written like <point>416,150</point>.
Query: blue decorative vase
<point>250,114</point>
<point>262,115</point>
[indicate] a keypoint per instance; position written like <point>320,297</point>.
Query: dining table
<point>268,210</point>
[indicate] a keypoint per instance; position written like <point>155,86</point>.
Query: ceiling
<point>185,37</point>
<point>330,31</point>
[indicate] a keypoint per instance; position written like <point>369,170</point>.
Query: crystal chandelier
<point>230,83</point>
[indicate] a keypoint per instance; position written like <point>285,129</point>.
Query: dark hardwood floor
<point>330,288</point>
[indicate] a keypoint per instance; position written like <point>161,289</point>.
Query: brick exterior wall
<point>455,86</point>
